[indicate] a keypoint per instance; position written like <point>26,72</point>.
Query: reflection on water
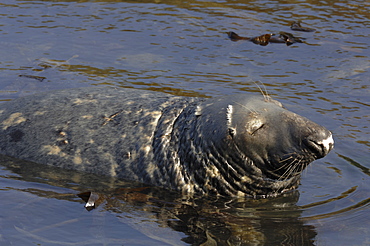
<point>160,215</point>
<point>182,48</point>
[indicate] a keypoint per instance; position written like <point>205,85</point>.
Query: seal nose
<point>320,143</point>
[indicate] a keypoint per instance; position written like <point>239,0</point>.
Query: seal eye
<point>254,126</point>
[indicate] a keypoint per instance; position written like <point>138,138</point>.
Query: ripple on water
<point>182,48</point>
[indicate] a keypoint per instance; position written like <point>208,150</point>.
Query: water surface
<point>182,48</point>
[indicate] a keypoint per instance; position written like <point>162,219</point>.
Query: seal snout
<point>320,143</point>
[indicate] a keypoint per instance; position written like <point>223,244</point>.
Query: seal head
<point>251,146</point>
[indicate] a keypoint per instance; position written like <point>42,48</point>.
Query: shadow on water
<point>160,215</point>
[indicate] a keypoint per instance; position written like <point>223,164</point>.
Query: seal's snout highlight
<point>320,143</point>
<point>328,144</point>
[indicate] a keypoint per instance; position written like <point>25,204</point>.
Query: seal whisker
<point>286,164</point>
<point>283,166</point>
<point>294,168</point>
<point>288,158</point>
<point>286,167</point>
<point>264,93</point>
<point>298,167</point>
<point>287,172</point>
<point>251,110</point>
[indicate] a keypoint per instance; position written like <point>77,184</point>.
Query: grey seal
<point>240,145</point>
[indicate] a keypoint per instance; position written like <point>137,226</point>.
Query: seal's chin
<point>263,186</point>
<point>263,182</point>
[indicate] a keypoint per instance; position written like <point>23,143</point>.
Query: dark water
<point>181,47</point>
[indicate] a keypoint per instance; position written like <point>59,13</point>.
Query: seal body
<point>238,145</point>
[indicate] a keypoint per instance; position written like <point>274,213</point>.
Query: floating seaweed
<point>39,78</point>
<point>265,39</point>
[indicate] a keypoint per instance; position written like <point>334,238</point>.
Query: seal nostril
<point>322,147</point>
<point>315,147</point>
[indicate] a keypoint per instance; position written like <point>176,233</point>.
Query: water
<point>182,48</point>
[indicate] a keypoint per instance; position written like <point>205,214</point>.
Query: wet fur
<point>220,146</point>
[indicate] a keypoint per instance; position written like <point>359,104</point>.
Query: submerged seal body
<point>239,145</point>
